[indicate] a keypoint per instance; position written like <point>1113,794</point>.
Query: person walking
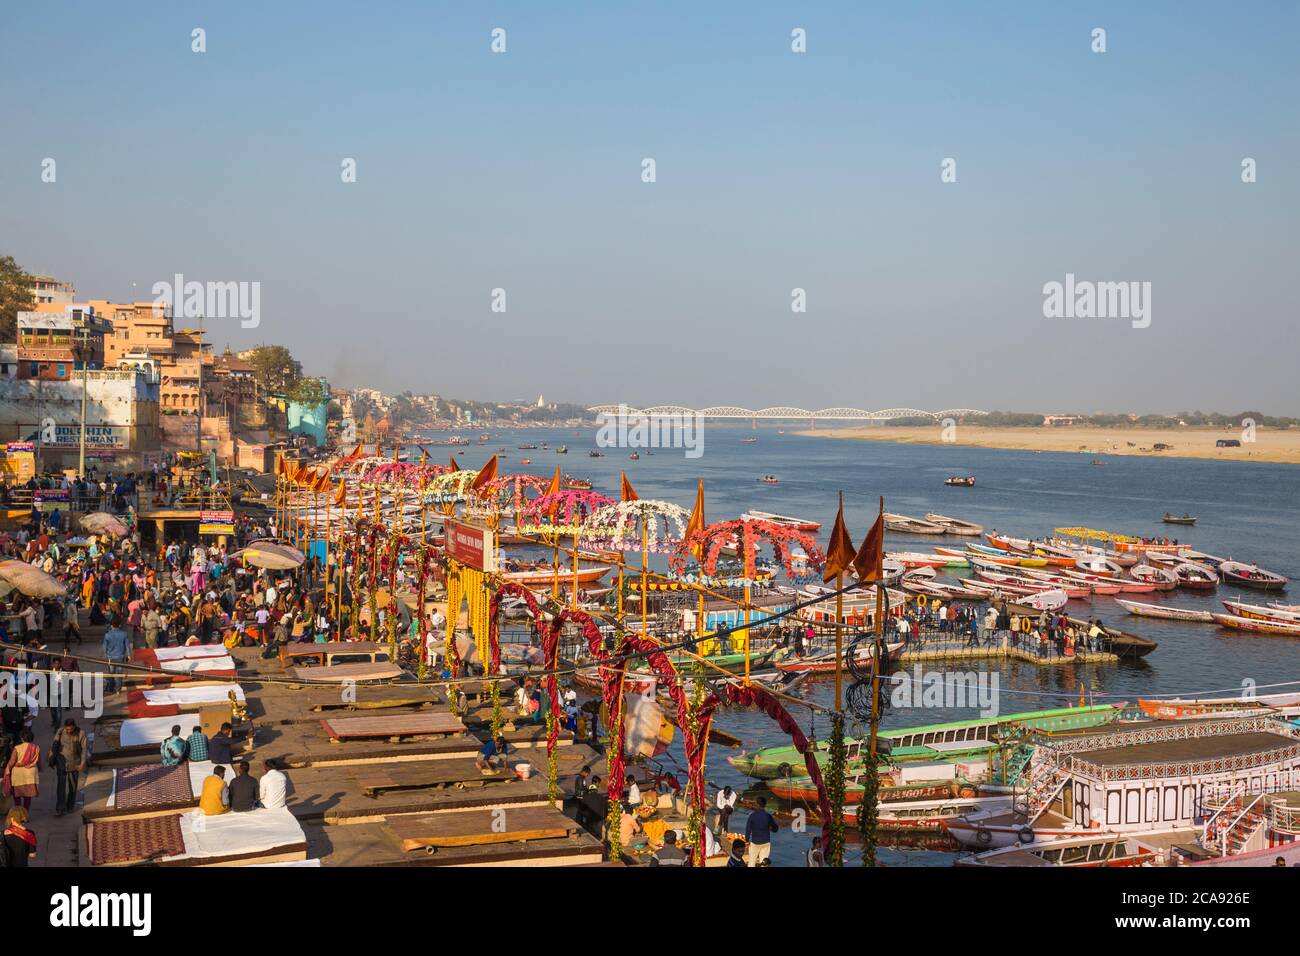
<point>758,834</point>
<point>71,752</point>
<point>22,772</point>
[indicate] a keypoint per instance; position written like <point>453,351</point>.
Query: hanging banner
<point>471,545</point>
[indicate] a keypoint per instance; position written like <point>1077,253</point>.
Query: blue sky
<point>775,171</point>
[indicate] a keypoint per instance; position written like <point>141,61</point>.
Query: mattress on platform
<point>196,839</point>
<point>191,694</point>
<point>125,779</point>
<point>142,731</point>
<point>199,665</point>
<point>255,833</point>
<point>137,840</point>
<point>189,651</point>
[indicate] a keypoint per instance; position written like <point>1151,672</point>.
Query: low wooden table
<point>392,726</point>
<point>480,827</point>
<point>296,652</point>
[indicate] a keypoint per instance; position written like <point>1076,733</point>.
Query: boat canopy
<point>1093,534</point>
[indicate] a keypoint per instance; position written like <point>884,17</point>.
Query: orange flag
<point>454,466</point>
<point>870,557</point>
<point>488,473</point>
<point>697,520</point>
<point>554,486</point>
<point>839,554</point>
<point>322,481</point>
<point>628,493</point>
<point>279,466</point>
<point>341,495</point>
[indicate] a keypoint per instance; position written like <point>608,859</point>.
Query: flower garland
<point>835,791</point>
<point>617,526</point>
<point>562,512</point>
<point>869,808</point>
<point>744,535</point>
<point>448,488</point>
<point>507,494</point>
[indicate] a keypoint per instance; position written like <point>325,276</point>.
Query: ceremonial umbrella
<point>101,522</point>
<point>31,580</point>
<point>273,557</point>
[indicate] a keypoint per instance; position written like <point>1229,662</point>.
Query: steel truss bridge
<point>786,413</point>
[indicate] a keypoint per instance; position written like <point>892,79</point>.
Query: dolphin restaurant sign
<point>471,544</point>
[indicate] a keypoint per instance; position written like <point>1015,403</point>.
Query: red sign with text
<point>471,545</point>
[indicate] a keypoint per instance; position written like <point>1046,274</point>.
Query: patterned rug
<point>143,788</point>
<point>136,841</point>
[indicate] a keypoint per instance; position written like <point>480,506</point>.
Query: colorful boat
<point>1092,850</point>
<point>771,762</point>
<point>1251,576</point>
<point>1257,613</point>
<point>1191,709</point>
<point>955,525</point>
<point>798,524</point>
<point>1165,612</point>
<point>825,663</point>
<point>1258,627</point>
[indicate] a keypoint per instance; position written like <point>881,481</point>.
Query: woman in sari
<point>23,770</point>
<point>20,841</point>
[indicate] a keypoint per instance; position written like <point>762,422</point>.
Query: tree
<point>275,368</point>
<point>307,391</point>
<point>15,297</point>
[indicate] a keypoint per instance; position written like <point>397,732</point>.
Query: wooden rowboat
<point>1251,576</point>
<point>1257,613</point>
<point>1259,627</point>
<point>1193,709</point>
<point>1165,612</point>
<point>1163,579</point>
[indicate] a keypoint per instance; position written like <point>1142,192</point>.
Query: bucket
<point>523,770</point>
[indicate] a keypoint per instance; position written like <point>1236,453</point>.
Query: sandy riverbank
<point>1270,445</point>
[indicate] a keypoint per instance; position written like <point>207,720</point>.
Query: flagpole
<point>880,630</point>
<point>839,631</point>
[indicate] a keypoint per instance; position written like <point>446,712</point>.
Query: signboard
<point>69,436</point>
<point>216,522</point>
<point>14,446</point>
<point>471,545</point>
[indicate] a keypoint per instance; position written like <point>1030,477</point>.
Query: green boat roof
<point>998,721</point>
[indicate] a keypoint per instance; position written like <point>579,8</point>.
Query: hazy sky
<point>775,171</point>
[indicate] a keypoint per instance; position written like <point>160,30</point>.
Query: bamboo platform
<point>392,727</point>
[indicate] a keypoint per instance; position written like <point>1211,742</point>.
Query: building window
<point>36,369</point>
<point>63,371</point>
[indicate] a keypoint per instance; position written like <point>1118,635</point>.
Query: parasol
<point>101,522</point>
<point>31,580</point>
<point>273,557</point>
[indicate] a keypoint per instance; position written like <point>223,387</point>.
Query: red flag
<point>628,493</point>
<point>697,520</point>
<point>839,553</point>
<point>870,558</point>
<point>488,473</point>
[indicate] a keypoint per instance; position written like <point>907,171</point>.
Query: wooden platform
<point>480,827</point>
<point>392,726</point>
<point>348,672</point>
<point>373,844</point>
<point>338,795</point>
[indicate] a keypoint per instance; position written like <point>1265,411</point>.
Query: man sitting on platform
<point>243,789</point>
<point>173,748</point>
<point>215,798</point>
<point>492,755</point>
<point>273,788</point>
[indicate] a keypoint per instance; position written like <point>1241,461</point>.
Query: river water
<point>1246,511</point>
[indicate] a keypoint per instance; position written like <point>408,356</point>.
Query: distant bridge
<point>787,412</point>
